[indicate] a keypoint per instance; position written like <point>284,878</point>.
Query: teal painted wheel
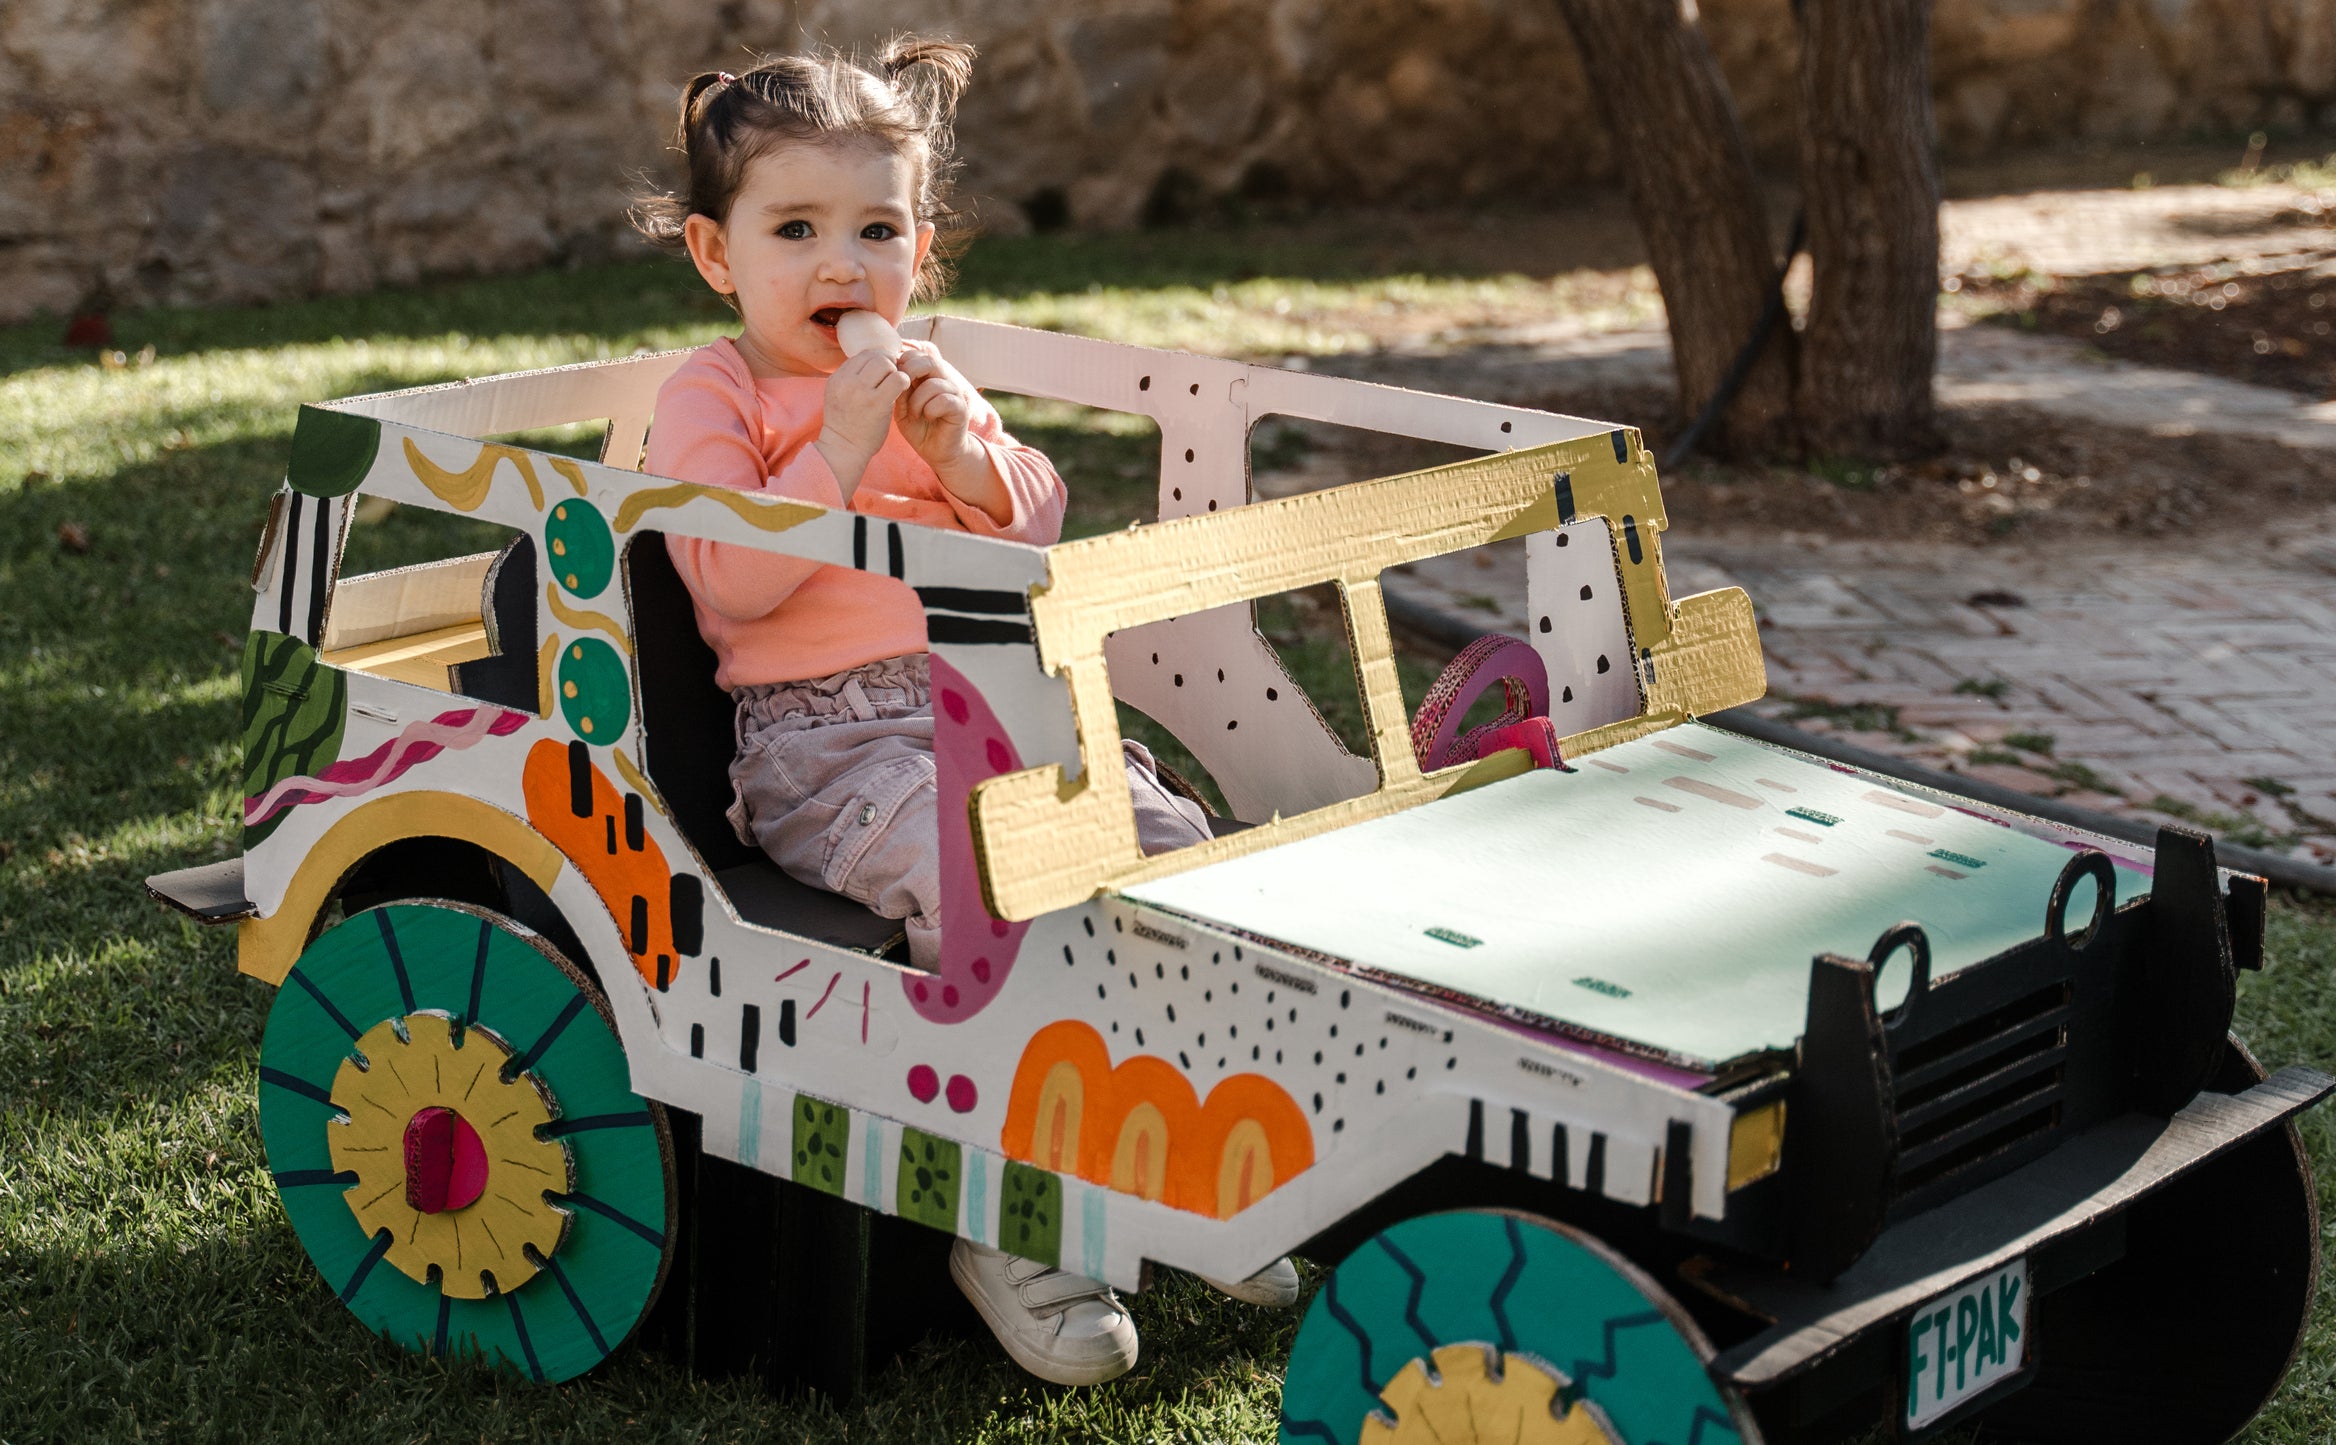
<point>450,1124</point>
<point>1480,1325</point>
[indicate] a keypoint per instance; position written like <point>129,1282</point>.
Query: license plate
<point>1973,1337</point>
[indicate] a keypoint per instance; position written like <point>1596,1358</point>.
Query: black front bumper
<point>2063,1212</point>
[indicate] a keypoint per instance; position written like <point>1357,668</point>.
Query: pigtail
<point>935,72</point>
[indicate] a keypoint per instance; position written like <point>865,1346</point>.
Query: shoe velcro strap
<point>1057,1290</point>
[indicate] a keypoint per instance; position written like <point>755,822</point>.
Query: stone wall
<point>237,150</point>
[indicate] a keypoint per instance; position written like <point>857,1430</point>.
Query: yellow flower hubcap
<point>493,1242</point>
<point>1463,1401</point>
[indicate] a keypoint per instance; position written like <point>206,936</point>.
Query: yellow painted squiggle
<point>769,514</point>
<point>467,489</point>
<point>543,676</point>
<point>568,469</point>
<point>578,617</point>
<point>634,780</point>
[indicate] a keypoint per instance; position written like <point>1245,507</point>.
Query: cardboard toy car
<point>1656,1086</point>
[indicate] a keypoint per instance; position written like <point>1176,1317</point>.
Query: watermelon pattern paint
<point>295,712</point>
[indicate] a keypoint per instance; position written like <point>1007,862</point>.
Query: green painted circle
<point>1522,1284</point>
<point>578,547</point>
<point>362,971</point>
<point>596,693</point>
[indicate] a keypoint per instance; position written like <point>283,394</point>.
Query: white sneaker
<point>1275,1286</point>
<point>1061,1327</point>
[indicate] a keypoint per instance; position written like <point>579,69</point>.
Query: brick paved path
<point>2136,679</point>
<point>2152,677</point>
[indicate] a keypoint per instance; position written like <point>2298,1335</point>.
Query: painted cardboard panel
<point>1358,1082</point>
<point>1721,868</point>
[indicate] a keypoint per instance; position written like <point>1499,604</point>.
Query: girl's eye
<point>879,231</point>
<point>796,230</point>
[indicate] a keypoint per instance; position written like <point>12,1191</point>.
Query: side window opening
<point>427,597</point>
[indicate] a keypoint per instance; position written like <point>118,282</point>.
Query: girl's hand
<point>935,417</point>
<point>857,414</point>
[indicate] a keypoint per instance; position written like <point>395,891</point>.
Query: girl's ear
<point>924,244</point>
<point>709,250</point>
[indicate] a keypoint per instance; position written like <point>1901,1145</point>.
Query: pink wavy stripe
<point>420,742</point>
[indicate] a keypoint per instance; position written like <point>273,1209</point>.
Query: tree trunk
<point>1689,176</point>
<point>1871,189</point>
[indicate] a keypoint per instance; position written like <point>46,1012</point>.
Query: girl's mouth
<point>826,317</point>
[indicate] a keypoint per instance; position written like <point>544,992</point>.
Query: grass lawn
<point>149,1285</point>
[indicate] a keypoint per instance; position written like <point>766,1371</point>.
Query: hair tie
<point>724,77</point>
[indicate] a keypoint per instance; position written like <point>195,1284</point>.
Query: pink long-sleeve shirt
<point>780,619</point>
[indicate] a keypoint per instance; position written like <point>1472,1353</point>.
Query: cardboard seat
<point>688,737</point>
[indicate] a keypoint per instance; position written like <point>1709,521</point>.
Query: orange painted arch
<point>1137,1127</point>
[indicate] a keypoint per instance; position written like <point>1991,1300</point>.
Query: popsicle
<point>858,331</point>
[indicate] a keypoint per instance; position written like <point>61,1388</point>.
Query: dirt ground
<point>2271,327</point>
<point>2139,253</point>
<point>2007,474</point>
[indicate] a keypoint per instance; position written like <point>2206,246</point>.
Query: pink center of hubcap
<point>446,1165</point>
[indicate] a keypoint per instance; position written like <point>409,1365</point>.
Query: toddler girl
<point>816,188</point>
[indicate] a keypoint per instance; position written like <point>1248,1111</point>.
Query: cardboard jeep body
<point>1692,1090</point>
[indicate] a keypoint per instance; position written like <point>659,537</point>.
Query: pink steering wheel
<point>1435,731</point>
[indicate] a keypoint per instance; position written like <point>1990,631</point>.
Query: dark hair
<point>904,104</point>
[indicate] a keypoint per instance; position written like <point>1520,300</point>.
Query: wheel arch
<point>267,947</point>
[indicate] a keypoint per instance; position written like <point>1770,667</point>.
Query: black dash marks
<point>1630,540</point>
<point>697,1041</point>
<point>941,627</point>
<point>633,830</point>
<point>1562,487</point>
<point>749,1036</point>
<point>1621,440</point>
<point>687,897</point>
<point>1594,1171</point>
<point>1475,1148</point>
<point>1558,1167</point>
<point>291,569</point>
<point>639,931</point>
<point>1520,1142</point>
<point>787,1022</point>
<point>860,542</point>
<point>895,559</point>
<point>579,779</point>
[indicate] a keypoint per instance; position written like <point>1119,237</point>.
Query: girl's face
<point>816,230</point>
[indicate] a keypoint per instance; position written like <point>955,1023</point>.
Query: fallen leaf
<point>72,536</point>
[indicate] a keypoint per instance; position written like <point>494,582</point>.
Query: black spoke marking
<point>445,1313</point>
<point>576,1304</point>
<point>550,1036</point>
<point>397,960</point>
<point>372,1257</point>
<point>655,1237</point>
<point>326,1004</point>
<point>860,542</point>
<point>896,561</point>
<point>294,1178</point>
<point>526,1345</point>
<point>478,973</point>
<point>301,1087</point>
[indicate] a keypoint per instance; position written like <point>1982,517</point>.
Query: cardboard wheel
<point>450,1124</point>
<point>2188,1336</point>
<point>1483,1326</point>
